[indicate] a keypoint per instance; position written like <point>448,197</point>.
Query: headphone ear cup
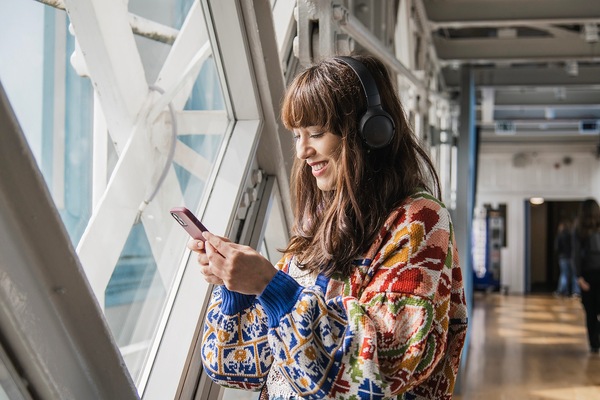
<point>377,128</point>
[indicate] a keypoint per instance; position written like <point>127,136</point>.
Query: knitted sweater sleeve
<point>379,333</point>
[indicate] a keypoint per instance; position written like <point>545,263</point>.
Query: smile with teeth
<point>318,166</point>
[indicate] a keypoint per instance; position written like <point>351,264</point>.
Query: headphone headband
<point>376,126</point>
<point>365,78</point>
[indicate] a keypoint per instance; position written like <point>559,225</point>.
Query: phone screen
<point>189,222</point>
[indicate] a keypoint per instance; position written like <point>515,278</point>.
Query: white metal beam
<point>112,61</point>
<point>358,32</point>
<point>139,25</point>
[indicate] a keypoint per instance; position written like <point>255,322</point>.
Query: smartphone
<point>189,222</point>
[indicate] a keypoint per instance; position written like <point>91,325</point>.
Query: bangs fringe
<point>303,106</point>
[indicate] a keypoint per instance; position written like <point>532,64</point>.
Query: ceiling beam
<point>457,14</point>
<point>515,49</point>
<point>527,76</point>
<point>579,99</point>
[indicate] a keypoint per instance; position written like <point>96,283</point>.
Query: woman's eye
<point>317,135</point>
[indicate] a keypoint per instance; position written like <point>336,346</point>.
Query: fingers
<point>209,276</point>
<point>209,259</point>
<point>207,267</point>
<point>213,257</point>
<point>196,245</point>
<point>220,244</point>
<point>208,234</point>
<point>202,258</point>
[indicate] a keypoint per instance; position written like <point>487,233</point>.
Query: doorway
<point>541,231</point>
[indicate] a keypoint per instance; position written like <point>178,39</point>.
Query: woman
<point>586,260</point>
<point>368,299</point>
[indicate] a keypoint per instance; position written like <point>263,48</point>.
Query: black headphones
<point>376,126</point>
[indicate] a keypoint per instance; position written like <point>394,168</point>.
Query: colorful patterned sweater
<point>394,329</point>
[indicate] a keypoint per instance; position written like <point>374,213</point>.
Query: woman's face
<point>318,149</point>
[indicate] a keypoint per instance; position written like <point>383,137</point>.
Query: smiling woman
<point>332,269</point>
<point>369,283</point>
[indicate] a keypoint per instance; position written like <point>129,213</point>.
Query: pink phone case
<point>189,222</point>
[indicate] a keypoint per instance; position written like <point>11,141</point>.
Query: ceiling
<point>536,65</point>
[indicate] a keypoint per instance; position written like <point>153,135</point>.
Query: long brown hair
<point>333,228</point>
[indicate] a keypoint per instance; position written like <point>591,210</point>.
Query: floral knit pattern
<point>395,328</point>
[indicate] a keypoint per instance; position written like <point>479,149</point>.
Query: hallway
<point>529,347</point>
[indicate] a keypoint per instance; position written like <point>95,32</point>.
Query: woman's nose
<point>303,148</point>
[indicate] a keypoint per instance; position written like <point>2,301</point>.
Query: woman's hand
<point>199,247</point>
<point>583,284</point>
<point>240,268</point>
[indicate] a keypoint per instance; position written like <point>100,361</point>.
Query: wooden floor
<point>528,347</point>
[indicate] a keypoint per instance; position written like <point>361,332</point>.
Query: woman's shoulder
<point>420,201</point>
<point>419,207</point>
<point>424,197</point>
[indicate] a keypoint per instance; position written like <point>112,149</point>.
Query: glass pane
<point>133,300</point>
<point>55,107</point>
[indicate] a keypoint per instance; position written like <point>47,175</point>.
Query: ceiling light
<point>536,201</point>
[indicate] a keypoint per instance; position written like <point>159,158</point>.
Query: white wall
<point>512,174</point>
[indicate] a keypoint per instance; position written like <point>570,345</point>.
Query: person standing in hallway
<point>567,280</point>
<point>368,299</point>
<point>586,259</point>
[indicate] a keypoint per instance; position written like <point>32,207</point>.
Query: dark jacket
<point>562,244</point>
<point>586,255</point>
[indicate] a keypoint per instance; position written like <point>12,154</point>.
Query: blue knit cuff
<point>234,302</point>
<point>279,297</point>
<point>322,282</point>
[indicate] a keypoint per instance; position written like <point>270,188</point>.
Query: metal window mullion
<point>219,215</point>
<point>234,56</point>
